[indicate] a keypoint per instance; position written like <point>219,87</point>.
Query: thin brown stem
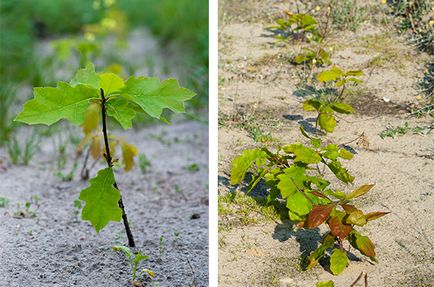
<point>109,161</point>
<point>357,280</point>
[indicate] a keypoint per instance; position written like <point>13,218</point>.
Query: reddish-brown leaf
<point>349,208</point>
<point>337,228</point>
<point>318,215</point>
<point>374,215</point>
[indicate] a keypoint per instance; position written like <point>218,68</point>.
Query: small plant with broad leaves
<point>330,99</point>
<point>303,27</point>
<point>293,174</point>
<point>134,260</point>
<point>297,26</point>
<point>108,94</point>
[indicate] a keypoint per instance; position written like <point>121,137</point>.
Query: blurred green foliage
<point>181,27</point>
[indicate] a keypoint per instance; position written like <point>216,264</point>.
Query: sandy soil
<point>258,88</point>
<point>56,248</point>
<point>167,207</point>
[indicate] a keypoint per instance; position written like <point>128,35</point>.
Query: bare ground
<point>258,88</point>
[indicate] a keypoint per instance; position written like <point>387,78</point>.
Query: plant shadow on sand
<point>308,239</point>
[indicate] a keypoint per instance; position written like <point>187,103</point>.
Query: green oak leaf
<point>331,151</point>
<point>340,172</point>
<point>291,174</point>
<point>345,154</point>
<point>53,104</point>
<point>121,111</point>
<point>298,203</point>
<point>338,261</point>
<point>330,75</point>
<point>328,283</point>
<point>153,96</point>
<point>110,83</point>
<point>86,76</point>
<point>342,108</point>
<point>101,199</point>
<point>243,162</point>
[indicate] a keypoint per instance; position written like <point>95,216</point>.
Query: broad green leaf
<point>345,154</point>
<point>306,155</point>
<point>298,203</point>
<point>129,151</point>
<point>315,142</point>
<point>312,105</point>
<point>286,181</point>
<point>340,172</point>
<point>328,283</point>
<point>374,215</point>
<point>242,163</point>
<point>363,244</point>
<point>331,151</point>
<point>91,118</point>
<point>153,96</point>
<point>294,216</point>
<point>101,200</point>
<point>360,191</point>
<point>338,261</point>
<point>302,153</point>
<point>330,75</point>
<point>318,215</point>
<point>342,108</point>
<point>120,110</point>
<point>53,104</point>
<point>110,83</point>
<point>327,122</point>
<point>127,251</point>
<point>86,76</point>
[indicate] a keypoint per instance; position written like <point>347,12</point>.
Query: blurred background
<point>43,42</point>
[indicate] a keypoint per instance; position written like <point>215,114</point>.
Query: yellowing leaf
<point>110,82</point>
<point>129,151</point>
<point>101,200</point>
<point>356,217</point>
<point>360,191</point>
<point>95,147</point>
<point>338,261</point>
<point>91,118</point>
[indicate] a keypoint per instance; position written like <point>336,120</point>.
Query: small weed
<point>23,154</point>
<point>7,94</point>
<point>393,132</point>
<point>144,163</point>
<point>194,167</point>
<point>4,202</point>
<point>28,209</point>
<point>347,15</point>
<point>161,245</point>
<point>134,260</point>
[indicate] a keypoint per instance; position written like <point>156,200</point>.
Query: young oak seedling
<point>331,101</point>
<point>112,97</point>
<point>293,175</point>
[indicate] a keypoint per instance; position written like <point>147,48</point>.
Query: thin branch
<point>357,279</point>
